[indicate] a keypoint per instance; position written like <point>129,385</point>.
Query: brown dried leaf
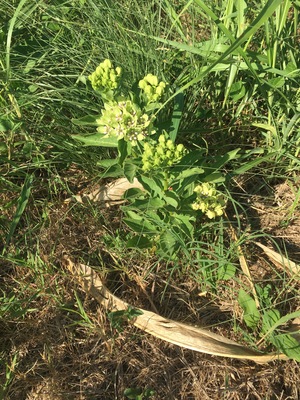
<point>287,265</point>
<point>190,337</point>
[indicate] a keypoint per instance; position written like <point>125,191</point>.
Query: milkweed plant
<point>180,185</point>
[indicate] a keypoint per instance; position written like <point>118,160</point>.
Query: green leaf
<point>222,160</point>
<point>132,193</point>
<point>139,224</point>
<point>112,172</point>
<point>226,272</point>
<point>124,150</point>
<point>215,177</point>
<point>283,320</point>
<point>152,203</point>
<point>133,393</point>
<point>182,225</point>
<point>97,139</point>
<point>87,120</point>
<point>288,345</point>
<point>176,116</point>
<point>237,90</point>
<point>5,124</point>
<point>22,202</point>
<point>130,171</point>
<point>107,163</point>
<point>251,313</point>
<point>192,159</point>
<point>189,172</point>
<point>140,242</point>
<point>269,318</point>
<point>152,185</point>
<point>168,244</point>
<point>171,198</point>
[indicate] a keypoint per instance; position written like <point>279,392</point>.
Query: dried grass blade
<point>287,265</point>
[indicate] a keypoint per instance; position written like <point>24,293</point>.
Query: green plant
<point>10,368</point>
<point>267,320</point>
<point>179,186</point>
<point>118,318</point>
<point>138,393</point>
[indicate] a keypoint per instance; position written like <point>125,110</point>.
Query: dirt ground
<point>64,353</point>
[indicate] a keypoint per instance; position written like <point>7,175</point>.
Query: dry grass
<point>63,354</point>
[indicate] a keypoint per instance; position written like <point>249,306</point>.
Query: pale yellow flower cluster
<point>209,200</point>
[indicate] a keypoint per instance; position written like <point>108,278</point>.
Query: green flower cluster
<point>152,89</point>
<point>209,200</point>
<point>124,119</point>
<point>105,77</point>
<point>162,154</point>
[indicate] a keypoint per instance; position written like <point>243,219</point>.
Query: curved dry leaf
<point>287,265</point>
<point>190,337</point>
<point>109,194</point>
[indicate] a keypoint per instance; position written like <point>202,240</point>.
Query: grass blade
<point>22,202</point>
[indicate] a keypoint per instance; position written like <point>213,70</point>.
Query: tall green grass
<point>245,68</point>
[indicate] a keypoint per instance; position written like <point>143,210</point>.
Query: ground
<point>67,349</point>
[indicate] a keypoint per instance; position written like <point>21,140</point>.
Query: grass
<point>237,66</point>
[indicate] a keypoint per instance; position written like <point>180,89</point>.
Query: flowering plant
<point>179,185</point>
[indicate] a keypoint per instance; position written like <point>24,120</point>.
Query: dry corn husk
<point>109,194</point>
<point>187,336</point>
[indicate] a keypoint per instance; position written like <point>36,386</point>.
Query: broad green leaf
<point>283,320</point>
<point>152,185</point>
<point>134,393</point>
<point>168,244</point>
<point>138,223</point>
<point>222,160</point>
<point>130,171</point>
<point>134,216</point>
<point>124,150</point>
<point>132,193</point>
<point>226,272</point>
<point>251,313</point>
<point>171,198</point>
<point>97,139</point>
<point>269,318</point>
<point>140,242</point>
<point>215,177</point>
<point>237,90</point>
<point>107,163</point>
<point>29,65</point>
<point>152,203</point>
<point>189,172</point>
<point>113,172</point>
<point>182,226</point>
<point>288,345</point>
<point>192,159</point>
<point>87,120</point>
<point>5,124</point>
<point>277,82</point>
